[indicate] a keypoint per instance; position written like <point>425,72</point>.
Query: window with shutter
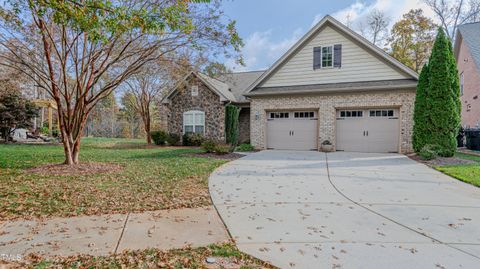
<point>317,57</point>
<point>337,55</point>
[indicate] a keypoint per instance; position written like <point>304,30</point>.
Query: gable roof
<point>229,86</point>
<point>469,32</point>
<point>343,29</point>
<point>239,82</point>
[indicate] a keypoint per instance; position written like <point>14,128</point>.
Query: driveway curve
<point>347,210</point>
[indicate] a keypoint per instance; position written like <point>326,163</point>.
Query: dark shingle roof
<point>239,82</point>
<point>471,34</point>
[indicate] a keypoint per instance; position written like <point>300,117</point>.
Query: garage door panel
<point>371,132</point>
<point>292,133</point>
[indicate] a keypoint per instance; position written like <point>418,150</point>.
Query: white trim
<point>194,123</point>
<point>379,52</point>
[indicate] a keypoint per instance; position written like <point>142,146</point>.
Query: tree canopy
<point>412,39</point>
<point>80,51</point>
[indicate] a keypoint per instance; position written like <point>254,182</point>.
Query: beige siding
<point>357,64</point>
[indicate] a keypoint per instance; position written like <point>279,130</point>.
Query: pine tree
<point>420,132</point>
<point>441,118</point>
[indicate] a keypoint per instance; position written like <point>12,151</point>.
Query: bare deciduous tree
<point>374,26</point>
<point>451,14</point>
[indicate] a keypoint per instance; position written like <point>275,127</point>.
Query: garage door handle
<point>293,132</point>
<point>363,133</point>
<point>367,133</point>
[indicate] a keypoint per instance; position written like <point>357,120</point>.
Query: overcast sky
<point>270,27</point>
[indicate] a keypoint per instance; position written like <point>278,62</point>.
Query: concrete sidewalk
<point>102,235</point>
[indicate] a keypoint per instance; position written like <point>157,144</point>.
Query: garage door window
<point>351,114</point>
<point>279,115</point>
<point>382,113</point>
<point>302,115</point>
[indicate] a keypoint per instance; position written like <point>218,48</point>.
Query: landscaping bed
<point>224,256</point>
<point>138,178</point>
<point>462,166</point>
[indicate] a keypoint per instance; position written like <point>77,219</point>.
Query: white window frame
<point>194,90</point>
<point>195,123</point>
<point>461,83</point>
<point>321,56</point>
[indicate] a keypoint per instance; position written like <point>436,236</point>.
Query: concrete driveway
<point>347,210</point>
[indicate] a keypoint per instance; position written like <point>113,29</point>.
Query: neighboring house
<point>467,54</point>
<point>332,85</point>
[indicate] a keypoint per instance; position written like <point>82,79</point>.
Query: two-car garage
<point>361,130</point>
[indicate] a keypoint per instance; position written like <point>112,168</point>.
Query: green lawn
<point>153,178</point>
<point>469,173</point>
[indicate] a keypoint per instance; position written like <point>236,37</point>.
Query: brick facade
<point>471,87</point>
<point>206,101</point>
<point>326,106</point>
<point>244,125</point>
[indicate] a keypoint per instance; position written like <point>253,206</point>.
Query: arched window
<point>194,122</point>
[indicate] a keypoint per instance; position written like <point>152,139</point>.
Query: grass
<point>153,178</point>
<point>469,173</point>
<point>154,258</point>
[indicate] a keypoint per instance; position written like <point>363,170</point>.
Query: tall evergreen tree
<point>420,117</point>
<point>439,119</point>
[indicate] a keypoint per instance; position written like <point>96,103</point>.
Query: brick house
<point>332,85</point>
<point>467,54</point>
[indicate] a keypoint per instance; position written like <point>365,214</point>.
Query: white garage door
<point>292,130</point>
<point>372,130</point>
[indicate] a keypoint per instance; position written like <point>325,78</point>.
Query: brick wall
<point>471,93</point>
<point>326,106</point>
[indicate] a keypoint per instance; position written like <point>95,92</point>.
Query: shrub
<point>430,152</point>
<point>44,130</point>
<point>222,149</point>
<point>209,145</point>
<point>245,147</point>
<point>55,132</point>
<point>173,139</point>
<point>192,139</point>
<point>232,113</point>
<point>159,137</point>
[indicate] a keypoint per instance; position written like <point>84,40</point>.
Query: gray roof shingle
<point>239,82</point>
<point>471,34</point>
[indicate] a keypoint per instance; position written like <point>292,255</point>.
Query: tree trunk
<point>146,124</point>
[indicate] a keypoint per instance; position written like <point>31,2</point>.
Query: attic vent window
<point>194,90</point>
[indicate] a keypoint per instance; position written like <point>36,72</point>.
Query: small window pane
<point>384,113</point>
<point>354,113</point>
<point>372,113</point>
<point>199,129</point>
<point>378,113</point>
<point>349,113</point>
<point>390,113</point>
<point>188,129</point>
<point>342,114</point>
<point>296,115</point>
<point>360,113</point>
<point>312,114</point>
<point>286,114</point>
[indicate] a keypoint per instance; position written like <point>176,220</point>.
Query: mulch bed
<point>441,161</point>
<point>86,168</point>
<point>228,156</point>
